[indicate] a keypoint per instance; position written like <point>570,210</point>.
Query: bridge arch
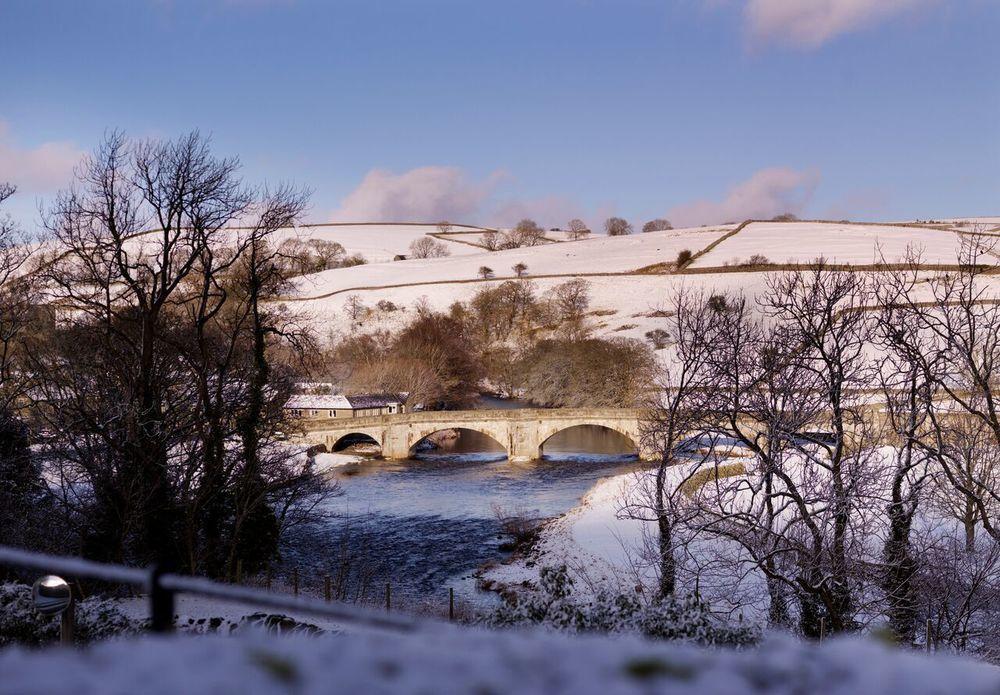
<point>339,443</point>
<point>489,432</point>
<point>628,435</point>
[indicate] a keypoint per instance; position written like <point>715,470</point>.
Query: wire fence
<point>163,588</point>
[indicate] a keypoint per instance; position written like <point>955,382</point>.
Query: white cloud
<point>767,193</point>
<point>425,194</point>
<point>44,168</point>
<point>549,211</point>
<point>811,23</point>
<point>432,193</point>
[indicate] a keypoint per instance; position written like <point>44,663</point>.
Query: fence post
<point>161,603</point>
<point>388,597</point>
<point>67,624</point>
<point>295,580</point>
<point>451,603</point>
<point>927,637</point>
<point>327,592</point>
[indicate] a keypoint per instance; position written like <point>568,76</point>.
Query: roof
<point>318,402</point>
<point>376,400</point>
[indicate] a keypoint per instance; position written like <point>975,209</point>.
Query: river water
<point>424,525</point>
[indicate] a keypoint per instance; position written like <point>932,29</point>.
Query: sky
<point>700,111</point>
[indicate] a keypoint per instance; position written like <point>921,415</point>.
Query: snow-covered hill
<point>381,242</point>
<point>631,277</point>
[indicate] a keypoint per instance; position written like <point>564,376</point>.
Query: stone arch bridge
<point>521,432</point>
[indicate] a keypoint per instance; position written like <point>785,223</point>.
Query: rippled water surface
<point>426,524</point>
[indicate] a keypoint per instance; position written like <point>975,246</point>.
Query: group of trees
<point>617,226</point>
<point>838,437</point>
<point>298,256</point>
<point>527,232</point>
<point>147,383</point>
<point>508,338</point>
<point>428,247</point>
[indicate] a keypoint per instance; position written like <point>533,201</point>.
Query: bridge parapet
<point>521,432</point>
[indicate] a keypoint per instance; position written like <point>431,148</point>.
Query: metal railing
<point>163,588</point>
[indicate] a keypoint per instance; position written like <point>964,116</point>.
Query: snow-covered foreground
<point>453,660</point>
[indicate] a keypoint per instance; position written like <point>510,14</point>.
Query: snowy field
<point>380,243</point>
<point>595,255</point>
<point>619,306</point>
<point>452,660</point>
<point>802,242</point>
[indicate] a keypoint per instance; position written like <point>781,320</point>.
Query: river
<point>424,525</point>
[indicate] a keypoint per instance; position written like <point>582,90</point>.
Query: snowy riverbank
<point>605,545</point>
<point>592,540</point>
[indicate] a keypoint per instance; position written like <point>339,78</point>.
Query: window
<point>296,412</point>
<point>333,413</point>
<point>315,413</point>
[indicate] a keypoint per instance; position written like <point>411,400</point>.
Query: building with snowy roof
<point>319,406</point>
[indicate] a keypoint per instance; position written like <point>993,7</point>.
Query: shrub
<point>96,619</point>
<point>100,618</point>
<point>756,260</point>
<point>673,618</point>
<point>684,257</point>
<point>658,337</point>
<point>356,259</point>
<point>657,225</point>
<point>521,527</point>
<point>718,303</point>
<point>386,306</point>
<point>617,226</point>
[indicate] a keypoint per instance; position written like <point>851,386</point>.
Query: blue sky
<point>700,110</point>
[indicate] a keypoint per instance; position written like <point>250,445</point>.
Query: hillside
<point>631,277</point>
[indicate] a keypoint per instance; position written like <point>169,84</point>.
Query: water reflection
<point>588,442</point>
<point>459,445</point>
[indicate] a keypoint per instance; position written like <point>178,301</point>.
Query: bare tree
<point>22,494</point>
<point>485,272</point>
<point>657,225</point>
<point>571,300</point>
<point>444,226</point>
<point>617,226</point>
<point>527,232</point>
<point>786,387</point>
<point>491,240</point>
<point>678,411</point>
<point>520,269</point>
<point>355,308</point>
<point>958,352</point>
<point>161,362</point>
<point>577,229</point>
<point>428,247</point>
